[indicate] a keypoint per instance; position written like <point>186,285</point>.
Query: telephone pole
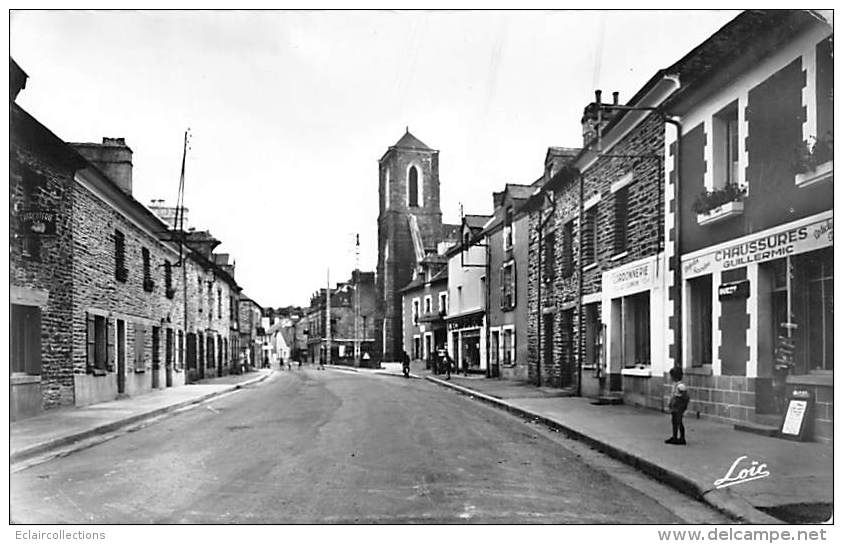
<point>357,301</point>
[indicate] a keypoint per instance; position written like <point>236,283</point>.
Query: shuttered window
<point>25,340</point>
<point>508,286</point>
<point>568,249</point>
<point>121,273</point>
<point>148,284</point>
<point>589,235</point>
<point>550,256</point>
<point>168,280</point>
<point>621,213</point>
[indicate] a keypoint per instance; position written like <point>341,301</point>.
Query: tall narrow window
<point>568,249</point>
<point>168,279</point>
<point>25,339</point>
<point>219,303</point>
<point>589,236</point>
<point>413,187</point>
<point>700,320</point>
<point>416,312</point>
<point>825,91</point>
<point>121,273</point>
<point>508,286</point>
<point>620,220</point>
<point>726,143</point>
<point>507,229</point>
<point>148,284</point>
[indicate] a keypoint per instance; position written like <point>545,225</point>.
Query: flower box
<point>822,172</point>
<point>721,212</point>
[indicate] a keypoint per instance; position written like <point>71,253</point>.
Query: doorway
<point>168,359</point>
<point>121,356</point>
<point>156,357</point>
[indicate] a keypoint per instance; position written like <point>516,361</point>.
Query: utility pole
<point>357,301</point>
<point>328,320</point>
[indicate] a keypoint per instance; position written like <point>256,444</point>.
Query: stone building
<point>250,332</point>
<point>425,304</point>
<point>99,306</point>
<point>354,308</point>
<point>751,220</point>
<point>409,227</point>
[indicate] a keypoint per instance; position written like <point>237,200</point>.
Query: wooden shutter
<point>110,338</point>
<point>33,341</point>
<point>90,343</point>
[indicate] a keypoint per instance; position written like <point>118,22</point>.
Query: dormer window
<point>508,230</point>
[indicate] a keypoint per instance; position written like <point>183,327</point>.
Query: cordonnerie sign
<point>763,247</point>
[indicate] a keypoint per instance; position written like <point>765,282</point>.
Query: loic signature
<point>740,473</point>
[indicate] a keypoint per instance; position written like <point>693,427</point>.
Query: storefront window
<point>699,326</point>
<point>636,330</point>
<point>507,346</point>
<point>809,292</point>
<point>593,336</point>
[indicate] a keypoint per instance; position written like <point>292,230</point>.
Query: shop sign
<point>795,424</point>
<point>37,222</point>
<point>466,322</point>
<point>757,249</point>
<point>637,277</point>
<point>735,289</point>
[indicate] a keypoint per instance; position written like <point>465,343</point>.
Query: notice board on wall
<point>796,422</point>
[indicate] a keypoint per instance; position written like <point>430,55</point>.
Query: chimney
<point>590,115</point>
<point>203,242</point>
<point>113,157</point>
<point>167,214</point>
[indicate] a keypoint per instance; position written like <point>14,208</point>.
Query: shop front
<point>632,308</point>
<point>758,314</point>
<point>467,341</point>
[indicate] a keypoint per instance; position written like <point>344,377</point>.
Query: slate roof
<point>408,141</point>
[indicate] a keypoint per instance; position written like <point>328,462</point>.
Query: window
<point>180,350</point>
<point>699,327</point>
<point>140,348</point>
<point>168,280</point>
<point>459,296</point>
<point>148,284</point>
<point>508,229</point>
<point>413,187</point>
<point>508,286</point>
<point>443,303</point>
<point>621,213</point>
<point>810,295</point>
<point>415,311</point>
<point>508,345</point>
<point>99,344</point>
<point>416,347</point>
<point>494,347</point>
<point>825,88</point>
<point>593,336</point>
<point>589,236</point>
<point>725,151</point>
<point>635,330</point>
<point>199,292</point>
<point>427,304</point>
<point>549,264</point>
<point>25,340</point>
<point>568,249</point>
<point>33,185</point>
<point>121,273</point>
<point>219,303</point>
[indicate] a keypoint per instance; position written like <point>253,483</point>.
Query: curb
<point>61,441</point>
<point>723,500</point>
<point>380,372</point>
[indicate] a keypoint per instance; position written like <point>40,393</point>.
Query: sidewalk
<point>59,428</point>
<point>800,473</point>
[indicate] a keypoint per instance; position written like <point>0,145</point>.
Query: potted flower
<point>720,203</point>
<point>812,159</point>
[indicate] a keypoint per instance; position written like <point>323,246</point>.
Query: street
<point>314,446</point>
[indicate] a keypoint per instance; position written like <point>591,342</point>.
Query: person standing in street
<point>405,363</point>
<point>677,406</point>
<point>447,361</point>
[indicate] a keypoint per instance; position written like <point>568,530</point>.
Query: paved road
<point>314,446</point>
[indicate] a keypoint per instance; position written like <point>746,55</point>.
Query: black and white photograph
<point>290,269</point>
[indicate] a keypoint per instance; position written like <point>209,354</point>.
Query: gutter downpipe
<point>539,306</point>
<point>677,246</point>
<point>487,296</point>
<point>580,286</point>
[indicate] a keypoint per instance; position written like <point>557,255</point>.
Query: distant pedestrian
<point>405,363</point>
<point>447,362</point>
<point>677,406</point>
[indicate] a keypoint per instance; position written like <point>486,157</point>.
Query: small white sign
<point>793,418</point>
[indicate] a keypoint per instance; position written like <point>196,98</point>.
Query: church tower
<point>408,187</point>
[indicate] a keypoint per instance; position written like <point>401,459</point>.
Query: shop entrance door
<point>168,359</point>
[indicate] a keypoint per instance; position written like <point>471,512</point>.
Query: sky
<point>290,111</point>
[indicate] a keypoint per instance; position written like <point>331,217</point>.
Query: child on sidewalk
<point>677,406</point>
